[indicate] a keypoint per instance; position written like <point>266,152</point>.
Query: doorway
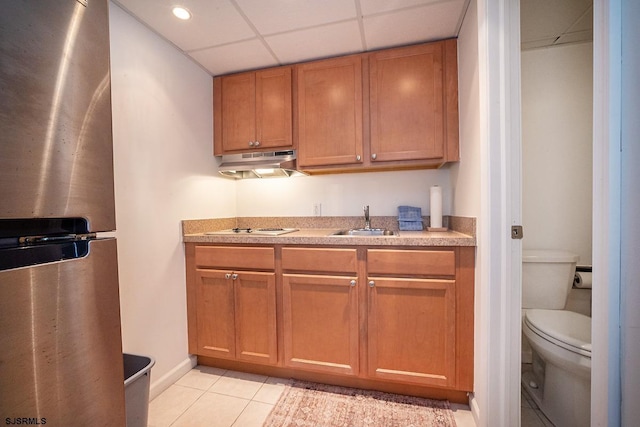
<point>557,139</point>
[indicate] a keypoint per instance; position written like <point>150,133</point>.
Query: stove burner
<point>240,230</point>
<point>255,231</point>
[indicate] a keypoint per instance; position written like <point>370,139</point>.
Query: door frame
<point>605,332</point>
<point>500,257</point>
<point>496,401</point>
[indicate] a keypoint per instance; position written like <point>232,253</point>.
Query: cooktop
<point>255,231</point>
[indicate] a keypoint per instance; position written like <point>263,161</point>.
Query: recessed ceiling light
<point>181,13</point>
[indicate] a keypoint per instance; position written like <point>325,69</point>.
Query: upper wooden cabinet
<point>252,111</point>
<point>389,109</point>
<point>413,103</point>
<point>329,112</point>
<point>401,111</point>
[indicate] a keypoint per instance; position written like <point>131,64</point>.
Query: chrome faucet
<point>367,220</point>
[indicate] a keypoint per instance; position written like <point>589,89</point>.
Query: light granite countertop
<point>320,233</point>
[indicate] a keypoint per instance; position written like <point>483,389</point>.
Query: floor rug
<point>305,404</point>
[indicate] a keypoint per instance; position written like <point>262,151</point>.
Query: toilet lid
<point>568,329</point>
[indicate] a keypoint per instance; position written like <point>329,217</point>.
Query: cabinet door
<point>321,323</point>
<point>255,317</point>
<point>238,111</point>
<point>330,112</point>
<point>273,108</point>
<point>215,313</point>
<point>412,330</point>
<point>407,103</point>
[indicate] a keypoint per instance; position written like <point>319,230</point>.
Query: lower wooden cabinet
<point>411,330</point>
<point>320,309</point>
<point>236,315</point>
<point>215,314</point>
<point>396,316</point>
<point>231,310</point>
<point>321,323</point>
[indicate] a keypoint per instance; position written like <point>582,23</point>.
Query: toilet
<point>560,379</point>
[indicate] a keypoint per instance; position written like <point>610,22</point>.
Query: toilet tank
<point>547,277</point>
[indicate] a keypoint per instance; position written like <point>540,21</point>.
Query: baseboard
<point>168,379</point>
<point>475,409</point>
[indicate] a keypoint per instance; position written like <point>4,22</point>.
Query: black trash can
<point>137,378</point>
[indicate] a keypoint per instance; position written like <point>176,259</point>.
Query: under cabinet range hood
<point>268,164</point>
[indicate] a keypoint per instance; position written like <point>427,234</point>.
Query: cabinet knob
<point>374,156</point>
<point>227,276</point>
<point>255,144</point>
<point>358,157</point>
<point>352,283</point>
<point>372,283</point>
<point>234,276</point>
<point>251,143</point>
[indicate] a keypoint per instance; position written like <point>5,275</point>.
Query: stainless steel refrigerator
<point>60,340</point>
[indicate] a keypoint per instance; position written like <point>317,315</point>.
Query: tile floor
<point>530,414</point>
<point>214,397</point>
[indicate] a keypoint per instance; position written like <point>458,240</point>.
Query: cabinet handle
<point>374,156</point>
<point>255,144</point>
<point>372,283</point>
<point>358,157</point>
<point>227,276</point>
<point>352,283</point>
<point>234,276</point>
<point>251,143</point>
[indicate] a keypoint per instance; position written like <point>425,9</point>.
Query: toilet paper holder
<point>583,275</point>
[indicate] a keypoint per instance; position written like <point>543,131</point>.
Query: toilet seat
<point>569,330</point>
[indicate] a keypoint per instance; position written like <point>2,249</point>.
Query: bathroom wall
<point>557,105</point>
<point>557,148</point>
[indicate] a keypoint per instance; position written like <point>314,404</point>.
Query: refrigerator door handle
<point>31,255</point>
<point>34,240</point>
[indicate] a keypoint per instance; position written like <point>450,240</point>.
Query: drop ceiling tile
<point>214,22</point>
<point>584,23</point>
<point>534,44</point>
<point>548,18</point>
<point>431,22</point>
<point>318,42</point>
<point>576,37</point>
<point>246,55</point>
<point>275,16</point>
<point>369,7</point>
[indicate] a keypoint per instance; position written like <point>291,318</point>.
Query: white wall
<point>162,120</point>
<point>465,179</point>
<point>342,194</point>
<point>557,110</point>
<point>164,172</point>
<point>465,174</point>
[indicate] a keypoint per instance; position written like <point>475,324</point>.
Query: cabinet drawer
<point>320,260</point>
<point>412,263</point>
<point>255,258</point>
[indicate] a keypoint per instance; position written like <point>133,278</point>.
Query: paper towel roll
<point>436,206</point>
<point>582,280</point>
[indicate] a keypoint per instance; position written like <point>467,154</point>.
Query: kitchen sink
<point>365,232</point>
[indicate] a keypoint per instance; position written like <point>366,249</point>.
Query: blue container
<point>410,225</point>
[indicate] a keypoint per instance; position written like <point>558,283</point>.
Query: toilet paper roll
<point>436,206</point>
<point>582,280</point>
